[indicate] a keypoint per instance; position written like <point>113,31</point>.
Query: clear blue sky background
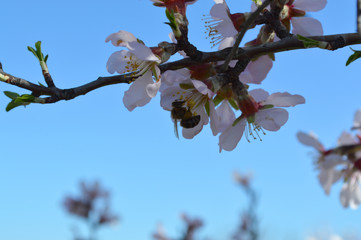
<point>47,149</point>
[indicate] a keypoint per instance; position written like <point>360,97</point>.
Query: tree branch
<point>286,44</point>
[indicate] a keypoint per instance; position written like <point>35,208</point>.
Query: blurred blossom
<point>92,205</point>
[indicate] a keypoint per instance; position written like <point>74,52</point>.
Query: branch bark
<point>286,44</point>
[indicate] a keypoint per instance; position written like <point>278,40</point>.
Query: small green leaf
<point>33,51</point>
<point>307,42</point>
<point>11,95</point>
<point>12,105</point>
<point>353,57</point>
<point>46,58</point>
<point>25,98</point>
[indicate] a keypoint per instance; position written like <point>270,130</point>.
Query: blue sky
<point>47,149</point>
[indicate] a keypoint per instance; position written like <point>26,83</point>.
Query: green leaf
<point>25,98</point>
<point>46,58</point>
<point>12,105</point>
<point>307,42</point>
<point>11,95</point>
<point>33,51</point>
<point>353,57</point>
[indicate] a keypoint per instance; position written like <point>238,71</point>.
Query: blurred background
<point>153,177</point>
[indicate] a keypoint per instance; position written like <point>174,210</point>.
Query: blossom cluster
<point>341,163</point>
<point>192,94</point>
<point>92,205</point>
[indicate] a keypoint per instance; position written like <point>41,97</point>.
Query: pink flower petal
<point>189,133</point>
<point>121,38</point>
<point>225,116</point>
<point>259,94</point>
<point>310,5</point>
<point>202,88</point>
<point>117,62</point>
<point>229,139</point>
<point>258,70</point>
<point>143,52</point>
<point>310,140</point>
<point>136,95</point>
<point>220,11</point>
<point>284,99</point>
<point>357,119</point>
<point>227,42</point>
<point>346,139</point>
<point>271,119</point>
<point>306,26</point>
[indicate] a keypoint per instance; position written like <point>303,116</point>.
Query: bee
<point>184,114</point>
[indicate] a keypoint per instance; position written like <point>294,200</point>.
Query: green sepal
<point>233,104</point>
<point>251,119</point>
<point>217,100</point>
<point>267,106</point>
<point>237,121</point>
<point>11,95</point>
<point>206,106</point>
<point>356,55</point>
<point>186,86</point>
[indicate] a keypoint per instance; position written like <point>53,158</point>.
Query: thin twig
<point>241,34</point>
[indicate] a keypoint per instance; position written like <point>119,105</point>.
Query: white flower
<point>195,94</point>
<point>357,120</point>
<point>139,60</point>
<point>222,24</point>
<point>259,113</point>
<point>294,12</point>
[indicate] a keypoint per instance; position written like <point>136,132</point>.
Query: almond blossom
<point>259,111</point>
<point>294,13</point>
<point>195,94</point>
<point>336,164</point>
<point>142,62</point>
<point>222,25</point>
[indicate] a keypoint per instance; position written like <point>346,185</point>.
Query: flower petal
<point>306,26</point>
<point>121,38</point>
<point>229,139</point>
<point>284,99</point>
<point>327,177</point>
<point>219,11</point>
<point>136,95</point>
<point>271,119</point>
<point>189,133</point>
<point>226,28</point>
<point>357,119</point>
<point>118,61</point>
<point>143,52</point>
<point>346,139</point>
<point>227,42</point>
<point>310,139</point>
<point>202,88</point>
<point>350,195</point>
<point>257,70</point>
<point>259,94</point>
<point>225,116</point>
<point>310,5</point>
